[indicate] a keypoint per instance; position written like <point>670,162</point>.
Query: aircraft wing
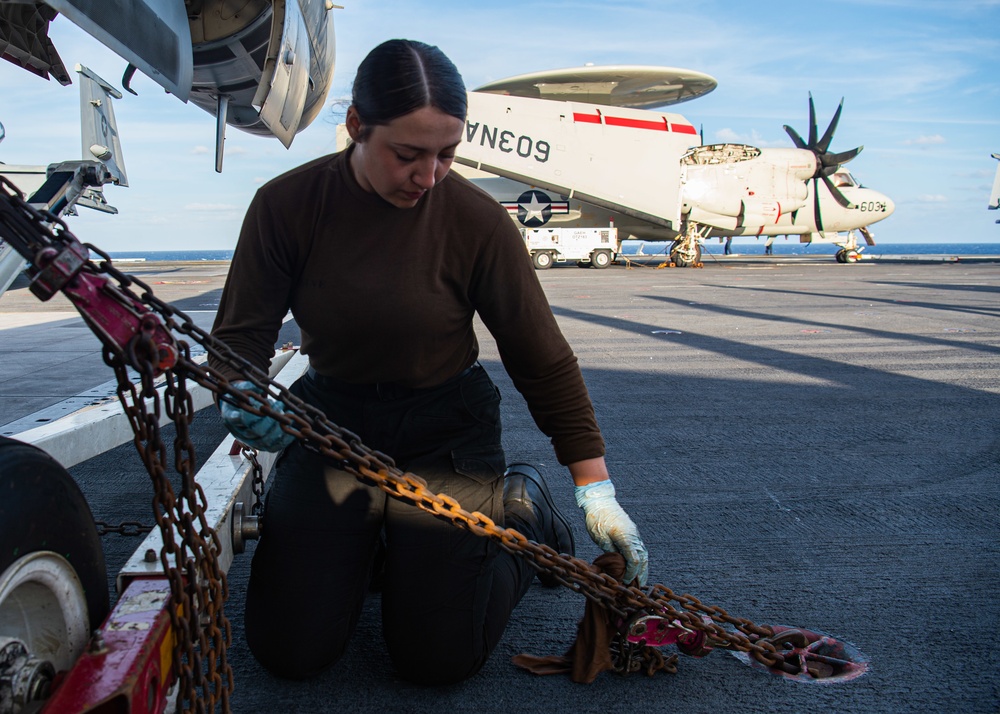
<point>153,35</point>
<point>24,40</point>
<point>626,160</point>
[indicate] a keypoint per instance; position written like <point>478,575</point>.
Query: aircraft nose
<point>875,206</point>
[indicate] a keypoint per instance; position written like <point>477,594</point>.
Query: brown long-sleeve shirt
<point>384,294</point>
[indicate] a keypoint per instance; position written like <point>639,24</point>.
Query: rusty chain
<point>198,584</point>
<point>310,426</point>
<point>198,587</point>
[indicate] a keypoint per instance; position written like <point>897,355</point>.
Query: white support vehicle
<point>589,247</point>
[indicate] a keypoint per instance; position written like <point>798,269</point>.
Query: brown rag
<point>591,652</point>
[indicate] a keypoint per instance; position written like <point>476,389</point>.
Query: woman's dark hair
<point>401,76</point>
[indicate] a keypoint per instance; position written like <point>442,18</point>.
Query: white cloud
<point>932,198</point>
<point>201,150</point>
<point>926,140</point>
<point>754,138</point>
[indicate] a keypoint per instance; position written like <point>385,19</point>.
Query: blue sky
<point>919,80</point>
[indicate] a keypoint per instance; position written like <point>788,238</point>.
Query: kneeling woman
<point>384,258</point>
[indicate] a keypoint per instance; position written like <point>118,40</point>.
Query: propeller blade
<point>824,143</point>
<point>842,158</point>
<point>837,195</point>
<point>817,214</point>
<point>796,139</point>
<point>812,122</point>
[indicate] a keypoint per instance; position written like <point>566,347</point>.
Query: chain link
<point>125,528</point>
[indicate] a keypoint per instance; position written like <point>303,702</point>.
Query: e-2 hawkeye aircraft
<point>263,66</point>
<point>648,172</point>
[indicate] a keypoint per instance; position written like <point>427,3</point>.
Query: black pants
<point>447,594</point>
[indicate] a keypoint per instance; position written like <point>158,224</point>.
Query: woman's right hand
<point>261,432</point>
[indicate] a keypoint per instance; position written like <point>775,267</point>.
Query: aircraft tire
<point>841,256</point>
<point>542,260</point>
<point>852,256</point>
<point>44,518</point>
<point>681,260</point>
<point>600,258</point>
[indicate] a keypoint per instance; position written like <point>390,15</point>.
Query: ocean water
<point>710,247</point>
<point>746,246</point>
<point>171,255</point>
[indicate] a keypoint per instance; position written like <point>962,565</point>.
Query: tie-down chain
<point>138,330</point>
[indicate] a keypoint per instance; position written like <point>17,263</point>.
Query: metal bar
<point>226,481</point>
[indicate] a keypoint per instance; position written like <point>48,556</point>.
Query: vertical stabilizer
<point>98,129</point>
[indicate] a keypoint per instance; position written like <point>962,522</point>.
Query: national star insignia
<point>533,209</point>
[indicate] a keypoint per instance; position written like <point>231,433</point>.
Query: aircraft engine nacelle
<point>753,186</point>
<point>268,64</point>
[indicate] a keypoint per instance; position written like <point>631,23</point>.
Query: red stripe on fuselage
<point>662,125</point>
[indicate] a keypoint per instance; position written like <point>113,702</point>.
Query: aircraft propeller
<point>827,162</point>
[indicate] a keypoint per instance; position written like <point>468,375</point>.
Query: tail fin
<point>98,130</point>
<point>99,136</point>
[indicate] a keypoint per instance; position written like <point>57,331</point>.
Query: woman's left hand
<point>612,529</point>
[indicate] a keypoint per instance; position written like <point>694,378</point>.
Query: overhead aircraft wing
<point>635,86</point>
<point>153,35</point>
<point>24,40</point>
<point>627,160</point>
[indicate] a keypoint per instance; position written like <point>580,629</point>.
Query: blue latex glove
<point>612,529</point>
<point>260,432</point>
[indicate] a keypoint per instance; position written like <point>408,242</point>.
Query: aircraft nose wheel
<point>845,255</point>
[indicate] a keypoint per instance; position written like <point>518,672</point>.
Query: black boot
<point>527,499</point>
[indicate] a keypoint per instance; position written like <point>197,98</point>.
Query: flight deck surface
<point>800,442</point>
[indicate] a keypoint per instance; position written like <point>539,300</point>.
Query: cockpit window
<point>843,178</point>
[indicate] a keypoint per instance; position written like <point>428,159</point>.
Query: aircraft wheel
<point>841,256</point>
<point>600,258</point>
<point>852,256</point>
<point>542,260</point>
<point>53,579</point>
<point>685,258</point>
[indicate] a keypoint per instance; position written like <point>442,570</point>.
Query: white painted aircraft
<point>647,171</point>
<point>263,66</point>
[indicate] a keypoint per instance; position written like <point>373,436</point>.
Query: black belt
<point>383,390</point>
